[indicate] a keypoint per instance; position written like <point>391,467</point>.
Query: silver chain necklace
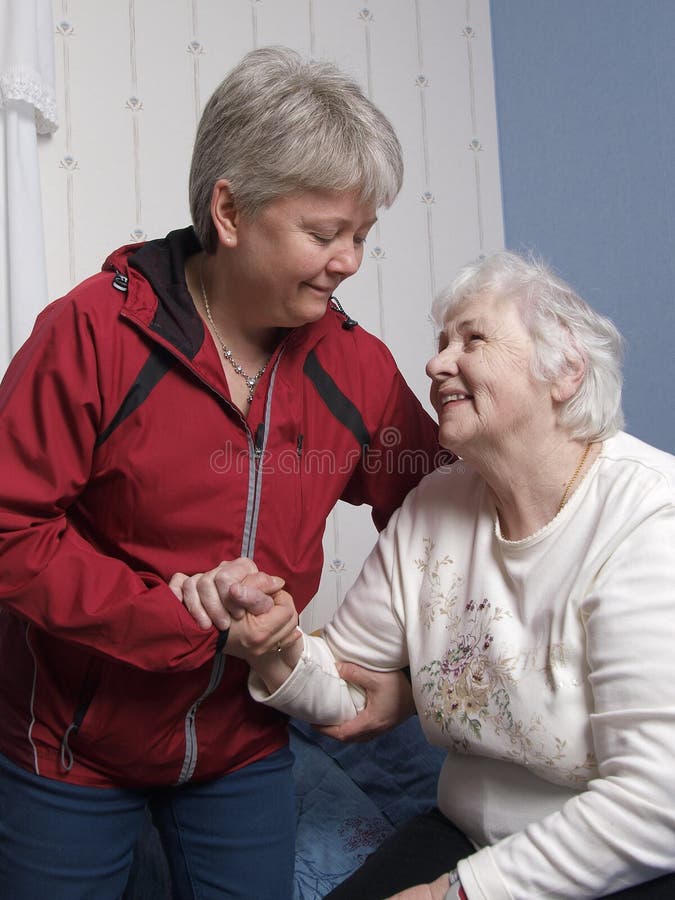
<point>251,380</point>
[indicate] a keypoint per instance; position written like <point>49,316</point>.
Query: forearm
<point>313,690</point>
<point>275,668</point>
<point>588,849</point>
<point>65,587</point>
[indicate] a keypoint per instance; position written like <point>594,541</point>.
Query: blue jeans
<point>231,837</point>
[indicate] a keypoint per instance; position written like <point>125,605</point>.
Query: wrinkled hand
<point>225,593</point>
<point>389,702</point>
<point>434,891</point>
<point>256,636</point>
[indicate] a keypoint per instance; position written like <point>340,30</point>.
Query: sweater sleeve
<point>365,629</point>
<point>50,412</point>
<point>368,627</point>
<point>314,691</point>
<point>621,830</point>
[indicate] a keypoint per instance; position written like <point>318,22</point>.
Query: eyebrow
<point>469,323</point>
<point>328,221</point>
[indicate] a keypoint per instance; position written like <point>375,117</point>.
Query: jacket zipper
<point>256,446</point>
<point>256,451</point>
<point>191,744</point>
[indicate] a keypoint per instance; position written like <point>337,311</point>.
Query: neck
<point>248,341</point>
<point>529,485</point>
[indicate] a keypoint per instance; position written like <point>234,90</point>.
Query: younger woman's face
<point>291,257</point>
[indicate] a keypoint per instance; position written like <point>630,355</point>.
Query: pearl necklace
<point>251,380</point>
<point>574,477</point>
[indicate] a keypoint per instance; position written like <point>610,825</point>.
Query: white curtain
<point>27,108</point>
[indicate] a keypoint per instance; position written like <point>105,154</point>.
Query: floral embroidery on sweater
<point>470,686</point>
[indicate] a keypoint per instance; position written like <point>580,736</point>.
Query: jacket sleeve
<point>620,831</point>
<point>403,449</point>
<point>50,412</point>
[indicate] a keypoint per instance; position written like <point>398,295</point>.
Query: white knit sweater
<point>545,666</point>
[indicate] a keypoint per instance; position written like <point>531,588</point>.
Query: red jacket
<point>123,461</point>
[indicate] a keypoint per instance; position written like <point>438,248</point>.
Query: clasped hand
<point>259,614</point>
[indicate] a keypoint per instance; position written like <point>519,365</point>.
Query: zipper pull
<point>298,446</point>
<point>222,641</point>
<point>259,440</point>
<point>348,323</point>
<point>67,758</point>
<point>120,282</point>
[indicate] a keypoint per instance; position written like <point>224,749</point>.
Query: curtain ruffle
<point>25,84</point>
<point>27,59</point>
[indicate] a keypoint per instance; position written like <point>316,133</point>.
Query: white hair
<point>563,329</point>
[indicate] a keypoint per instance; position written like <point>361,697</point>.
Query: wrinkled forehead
<point>491,305</point>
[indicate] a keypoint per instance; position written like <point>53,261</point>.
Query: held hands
<point>216,597</point>
<point>260,639</point>
<point>260,616</point>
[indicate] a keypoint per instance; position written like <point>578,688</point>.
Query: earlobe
<point>224,213</point>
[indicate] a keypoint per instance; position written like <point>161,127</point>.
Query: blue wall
<point>586,112</point>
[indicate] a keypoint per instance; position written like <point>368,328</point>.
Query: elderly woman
<point>156,422</point>
<point>529,588</point>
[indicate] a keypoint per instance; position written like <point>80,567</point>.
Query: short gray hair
<point>563,329</point>
<point>278,125</point>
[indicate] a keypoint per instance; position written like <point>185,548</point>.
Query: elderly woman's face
<point>481,386</point>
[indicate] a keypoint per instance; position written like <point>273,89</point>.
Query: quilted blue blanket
<point>351,796</point>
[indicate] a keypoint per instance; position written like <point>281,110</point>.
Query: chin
<point>450,441</point>
<point>309,315</point>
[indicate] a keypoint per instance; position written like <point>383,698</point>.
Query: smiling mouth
<point>319,289</point>
<point>453,398</point>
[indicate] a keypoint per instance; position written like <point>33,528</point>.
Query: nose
<point>346,259</point>
<point>444,363</point>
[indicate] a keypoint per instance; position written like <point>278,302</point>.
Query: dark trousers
<point>429,845</point>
